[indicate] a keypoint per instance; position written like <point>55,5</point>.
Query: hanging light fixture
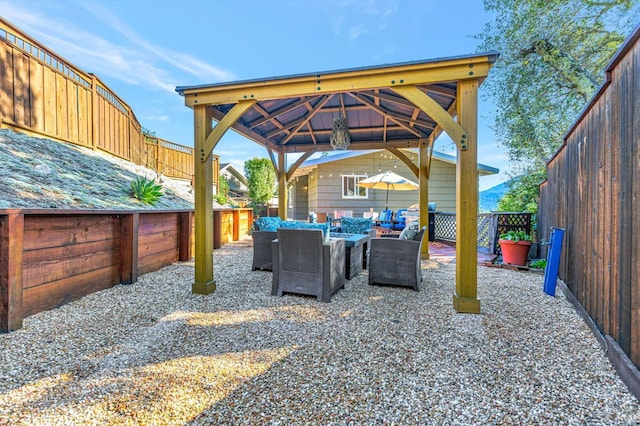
<point>340,138</point>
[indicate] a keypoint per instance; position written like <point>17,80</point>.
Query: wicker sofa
<point>264,231</point>
<point>305,262</point>
<point>396,261</point>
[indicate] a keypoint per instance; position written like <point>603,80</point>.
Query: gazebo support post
<point>465,298</point>
<point>205,140</point>
<point>203,203</point>
<point>282,185</point>
<point>423,194</point>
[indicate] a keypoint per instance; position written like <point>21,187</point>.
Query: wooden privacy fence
<point>52,257</point>
<point>593,191</point>
<point>43,94</point>
<point>490,226</point>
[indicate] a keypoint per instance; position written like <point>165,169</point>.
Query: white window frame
<point>355,179</point>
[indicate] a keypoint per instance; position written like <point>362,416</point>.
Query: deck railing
<point>490,226</point>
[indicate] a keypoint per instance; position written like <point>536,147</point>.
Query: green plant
<point>222,196</point>
<point>146,190</point>
<point>516,236</point>
<point>538,263</point>
<point>261,178</point>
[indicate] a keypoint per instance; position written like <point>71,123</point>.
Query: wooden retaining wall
<point>593,191</point>
<point>52,257</point>
<point>44,95</point>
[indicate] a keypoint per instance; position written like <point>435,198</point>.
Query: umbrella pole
<point>386,204</point>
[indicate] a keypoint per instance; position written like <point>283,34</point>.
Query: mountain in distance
<point>488,199</point>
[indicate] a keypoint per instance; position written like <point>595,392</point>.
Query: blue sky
<point>143,49</point>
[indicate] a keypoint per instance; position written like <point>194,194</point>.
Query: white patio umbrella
<point>388,180</point>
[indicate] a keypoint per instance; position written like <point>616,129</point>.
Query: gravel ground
<point>154,353</point>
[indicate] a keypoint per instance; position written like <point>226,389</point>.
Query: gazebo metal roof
<point>376,114</point>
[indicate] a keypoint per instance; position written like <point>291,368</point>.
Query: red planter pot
<point>513,252</point>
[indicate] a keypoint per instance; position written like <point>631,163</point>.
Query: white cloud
<point>138,62</point>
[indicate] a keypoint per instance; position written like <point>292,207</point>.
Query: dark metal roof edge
<point>350,154</point>
<point>492,54</point>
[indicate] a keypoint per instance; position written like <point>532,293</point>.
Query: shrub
<point>146,190</point>
<point>516,236</point>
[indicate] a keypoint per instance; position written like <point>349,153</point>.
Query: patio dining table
<point>355,250</point>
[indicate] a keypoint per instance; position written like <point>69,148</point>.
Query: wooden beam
<point>406,160</point>
<point>423,195</point>
<point>435,111</point>
<point>282,185</point>
<point>11,248</point>
<point>297,164</point>
<point>245,131</point>
<point>274,114</point>
<point>344,81</point>
<point>223,125</point>
<point>203,202</point>
<point>401,143</point>
<point>400,121</point>
<point>185,250</point>
<point>465,298</point>
<point>306,119</point>
<point>129,248</point>
<point>273,161</point>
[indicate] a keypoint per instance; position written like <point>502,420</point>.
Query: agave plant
<point>146,190</point>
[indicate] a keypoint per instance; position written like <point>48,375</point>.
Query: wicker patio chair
<point>262,257</point>
<point>303,263</point>
<point>396,261</point>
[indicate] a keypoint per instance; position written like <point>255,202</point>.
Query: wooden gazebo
<point>405,105</point>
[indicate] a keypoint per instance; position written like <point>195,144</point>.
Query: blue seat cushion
<point>324,227</point>
<point>355,225</point>
<point>268,223</point>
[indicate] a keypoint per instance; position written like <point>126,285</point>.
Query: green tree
<point>261,178</point>
<point>222,196</point>
<point>553,54</point>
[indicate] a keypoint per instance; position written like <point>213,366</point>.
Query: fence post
<point>11,243</point>
<point>129,248</point>
<point>186,235</point>
<point>94,113</point>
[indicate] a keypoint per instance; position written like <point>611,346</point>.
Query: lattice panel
<point>506,222</point>
<point>445,224</point>
<point>484,233</point>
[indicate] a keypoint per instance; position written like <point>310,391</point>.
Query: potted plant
<point>515,247</point>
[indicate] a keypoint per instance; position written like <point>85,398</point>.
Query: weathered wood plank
<point>185,249</point>
<point>62,125</point>
<point>56,269</point>
<point>21,113</point>
<point>84,116</point>
<point>52,231</point>
<point>149,244</point>
<point>151,223</point>
<point>616,178</point>
<point>36,91</point>
<point>11,279</point>
<point>50,99</point>
<point>626,223</point>
<point>6,81</point>
<point>634,90</point>
<point>149,263</point>
<point>606,212</point>
<point>72,110</point>
<point>129,229</point>
<point>55,294</point>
